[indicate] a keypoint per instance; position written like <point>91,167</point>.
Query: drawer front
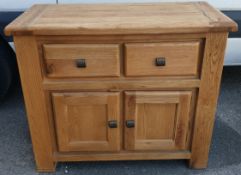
<point>157,120</point>
<point>82,60</point>
<point>87,121</point>
<point>162,59</point>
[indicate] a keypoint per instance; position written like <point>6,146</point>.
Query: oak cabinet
<point>121,81</point>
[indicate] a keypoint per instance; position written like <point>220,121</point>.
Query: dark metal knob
<point>160,61</point>
<point>112,124</point>
<point>130,123</point>
<point>80,63</point>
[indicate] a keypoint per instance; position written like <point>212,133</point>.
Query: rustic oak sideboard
<point>120,81</point>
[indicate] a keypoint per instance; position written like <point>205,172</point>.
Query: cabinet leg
<point>207,99</point>
<point>47,167</point>
<point>198,164</point>
<point>36,102</point>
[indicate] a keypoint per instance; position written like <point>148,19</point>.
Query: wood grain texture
<point>161,120</point>
<point>118,39</point>
<point>82,121</point>
<point>124,155</point>
<point>207,98</point>
<point>35,101</point>
<point>150,18</point>
<point>61,60</point>
<point>116,85</point>
<point>181,58</point>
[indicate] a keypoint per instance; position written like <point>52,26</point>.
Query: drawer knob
<point>160,61</point>
<point>80,63</point>
<point>130,123</point>
<point>112,124</point>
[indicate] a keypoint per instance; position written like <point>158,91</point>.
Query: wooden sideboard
<point>120,81</point>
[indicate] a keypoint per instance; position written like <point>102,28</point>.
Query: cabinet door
<point>157,120</point>
<point>87,121</point>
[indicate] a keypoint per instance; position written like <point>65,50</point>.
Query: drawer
<point>82,60</point>
<point>162,59</point>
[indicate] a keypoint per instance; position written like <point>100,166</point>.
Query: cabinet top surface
<point>151,18</point>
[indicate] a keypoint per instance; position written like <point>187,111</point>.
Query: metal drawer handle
<point>112,124</point>
<point>80,63</point>
<point>160,61</point>
<point>130,123</point>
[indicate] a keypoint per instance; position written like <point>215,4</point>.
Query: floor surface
<point>16,156</point>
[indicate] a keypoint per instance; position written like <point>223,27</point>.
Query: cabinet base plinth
<point>65,157</point>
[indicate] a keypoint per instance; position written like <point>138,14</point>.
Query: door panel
<point>80,126</point>
<point>82,121</point>
<point>154,111</point>
<point>161,120</point>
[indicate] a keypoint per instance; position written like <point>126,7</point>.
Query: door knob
<point>80,63</point>
<point>160,61</point>
<point>112,124</point>
<point>130,123</point>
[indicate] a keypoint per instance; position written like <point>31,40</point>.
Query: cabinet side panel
<point>35,101</point>
<point>207,98</point>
